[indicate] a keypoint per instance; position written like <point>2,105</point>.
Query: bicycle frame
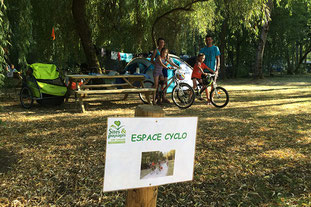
<point>218,96</point>
<point>182,93</point>
<point>213,84</point>
<point>170,81</point>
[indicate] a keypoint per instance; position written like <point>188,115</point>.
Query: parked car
<point>144,66</point>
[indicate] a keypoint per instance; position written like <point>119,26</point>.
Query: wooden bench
<point>147,91</point>
<point>112,91</point>
<point>105,85</point>
<point>128,86</point>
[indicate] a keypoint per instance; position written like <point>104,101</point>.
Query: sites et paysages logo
<point>116,133</point>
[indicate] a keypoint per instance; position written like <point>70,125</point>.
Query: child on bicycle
<point>200,70</point>
<point>162,61</point>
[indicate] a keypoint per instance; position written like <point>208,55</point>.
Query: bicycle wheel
<point>26,97</point>
<point>142,96</point>
<point>219,97</point>
<point>183,95</point>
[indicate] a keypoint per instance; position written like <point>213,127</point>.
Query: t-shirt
<point>158,67</point>
<point>196,73</point>
<point>157,54</point>
<point>210,56</point>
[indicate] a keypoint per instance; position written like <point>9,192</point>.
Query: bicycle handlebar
<point>173,68</point>
<point>211,75</point>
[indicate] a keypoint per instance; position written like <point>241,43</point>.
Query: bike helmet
<point>180,75</point>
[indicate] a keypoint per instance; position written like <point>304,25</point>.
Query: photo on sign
<point>157,164</point>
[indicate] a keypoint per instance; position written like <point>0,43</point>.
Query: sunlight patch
<point>284,154</point>
<point>304,140</point>
<point>256,144</point>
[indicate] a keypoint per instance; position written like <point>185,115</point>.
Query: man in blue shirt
<point>212,58</point>
<point>212,54</point>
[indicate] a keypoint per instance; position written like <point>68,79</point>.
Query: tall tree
<point>84,32</point>
<point>258,72</point>
<point>4,29</point>
<point>21,25</point>
<point>290,27</point>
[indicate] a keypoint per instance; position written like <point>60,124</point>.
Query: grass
<point>254,152</point>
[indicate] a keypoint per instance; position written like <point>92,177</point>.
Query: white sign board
<point>144,152</point>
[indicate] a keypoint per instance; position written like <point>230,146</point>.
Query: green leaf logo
<point>117,123</point>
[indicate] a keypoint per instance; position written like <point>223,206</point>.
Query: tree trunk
<point>223,33</point>
<point>297,58</point>
<point>84,32</point>
<point>289,64</point>
<point>238,52</point>
<point>258,74</point>
<point>139,25</point>
<point>231,64</point>
<point>239,40</point>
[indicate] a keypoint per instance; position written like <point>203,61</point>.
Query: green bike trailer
<point>42,82</point>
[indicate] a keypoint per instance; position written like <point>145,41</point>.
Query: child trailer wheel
<point>50,100</point>
<point>26,97</point>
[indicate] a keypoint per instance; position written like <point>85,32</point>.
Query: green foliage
<point>19,15</point>
<point>124,25</point>
<point>31,23</point>
<point>184,31</point>
<point>129,24</point>
<point>120,25</point>
<point>290,34</point>
<point>237,25</point>
<point>4,24</point>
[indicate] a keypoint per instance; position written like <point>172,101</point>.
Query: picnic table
<point>125,88</point>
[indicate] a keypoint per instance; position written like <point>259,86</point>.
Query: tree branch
<point>187,8</point>
<point>303,58</point>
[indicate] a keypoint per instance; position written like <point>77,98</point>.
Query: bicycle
<point>182,94</point>
<point>219,96</point>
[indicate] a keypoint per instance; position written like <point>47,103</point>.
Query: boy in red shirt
<point>198,71</point>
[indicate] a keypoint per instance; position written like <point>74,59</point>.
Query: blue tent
<point>144,66</point>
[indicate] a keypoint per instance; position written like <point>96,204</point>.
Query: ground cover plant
<point>254,152</point>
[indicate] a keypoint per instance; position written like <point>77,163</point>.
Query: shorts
<point>164,71</point>
<point>157,73</point>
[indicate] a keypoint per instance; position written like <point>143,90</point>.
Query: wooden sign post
<point>146,197</point>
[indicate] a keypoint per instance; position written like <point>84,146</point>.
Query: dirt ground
<point>254,152</point>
